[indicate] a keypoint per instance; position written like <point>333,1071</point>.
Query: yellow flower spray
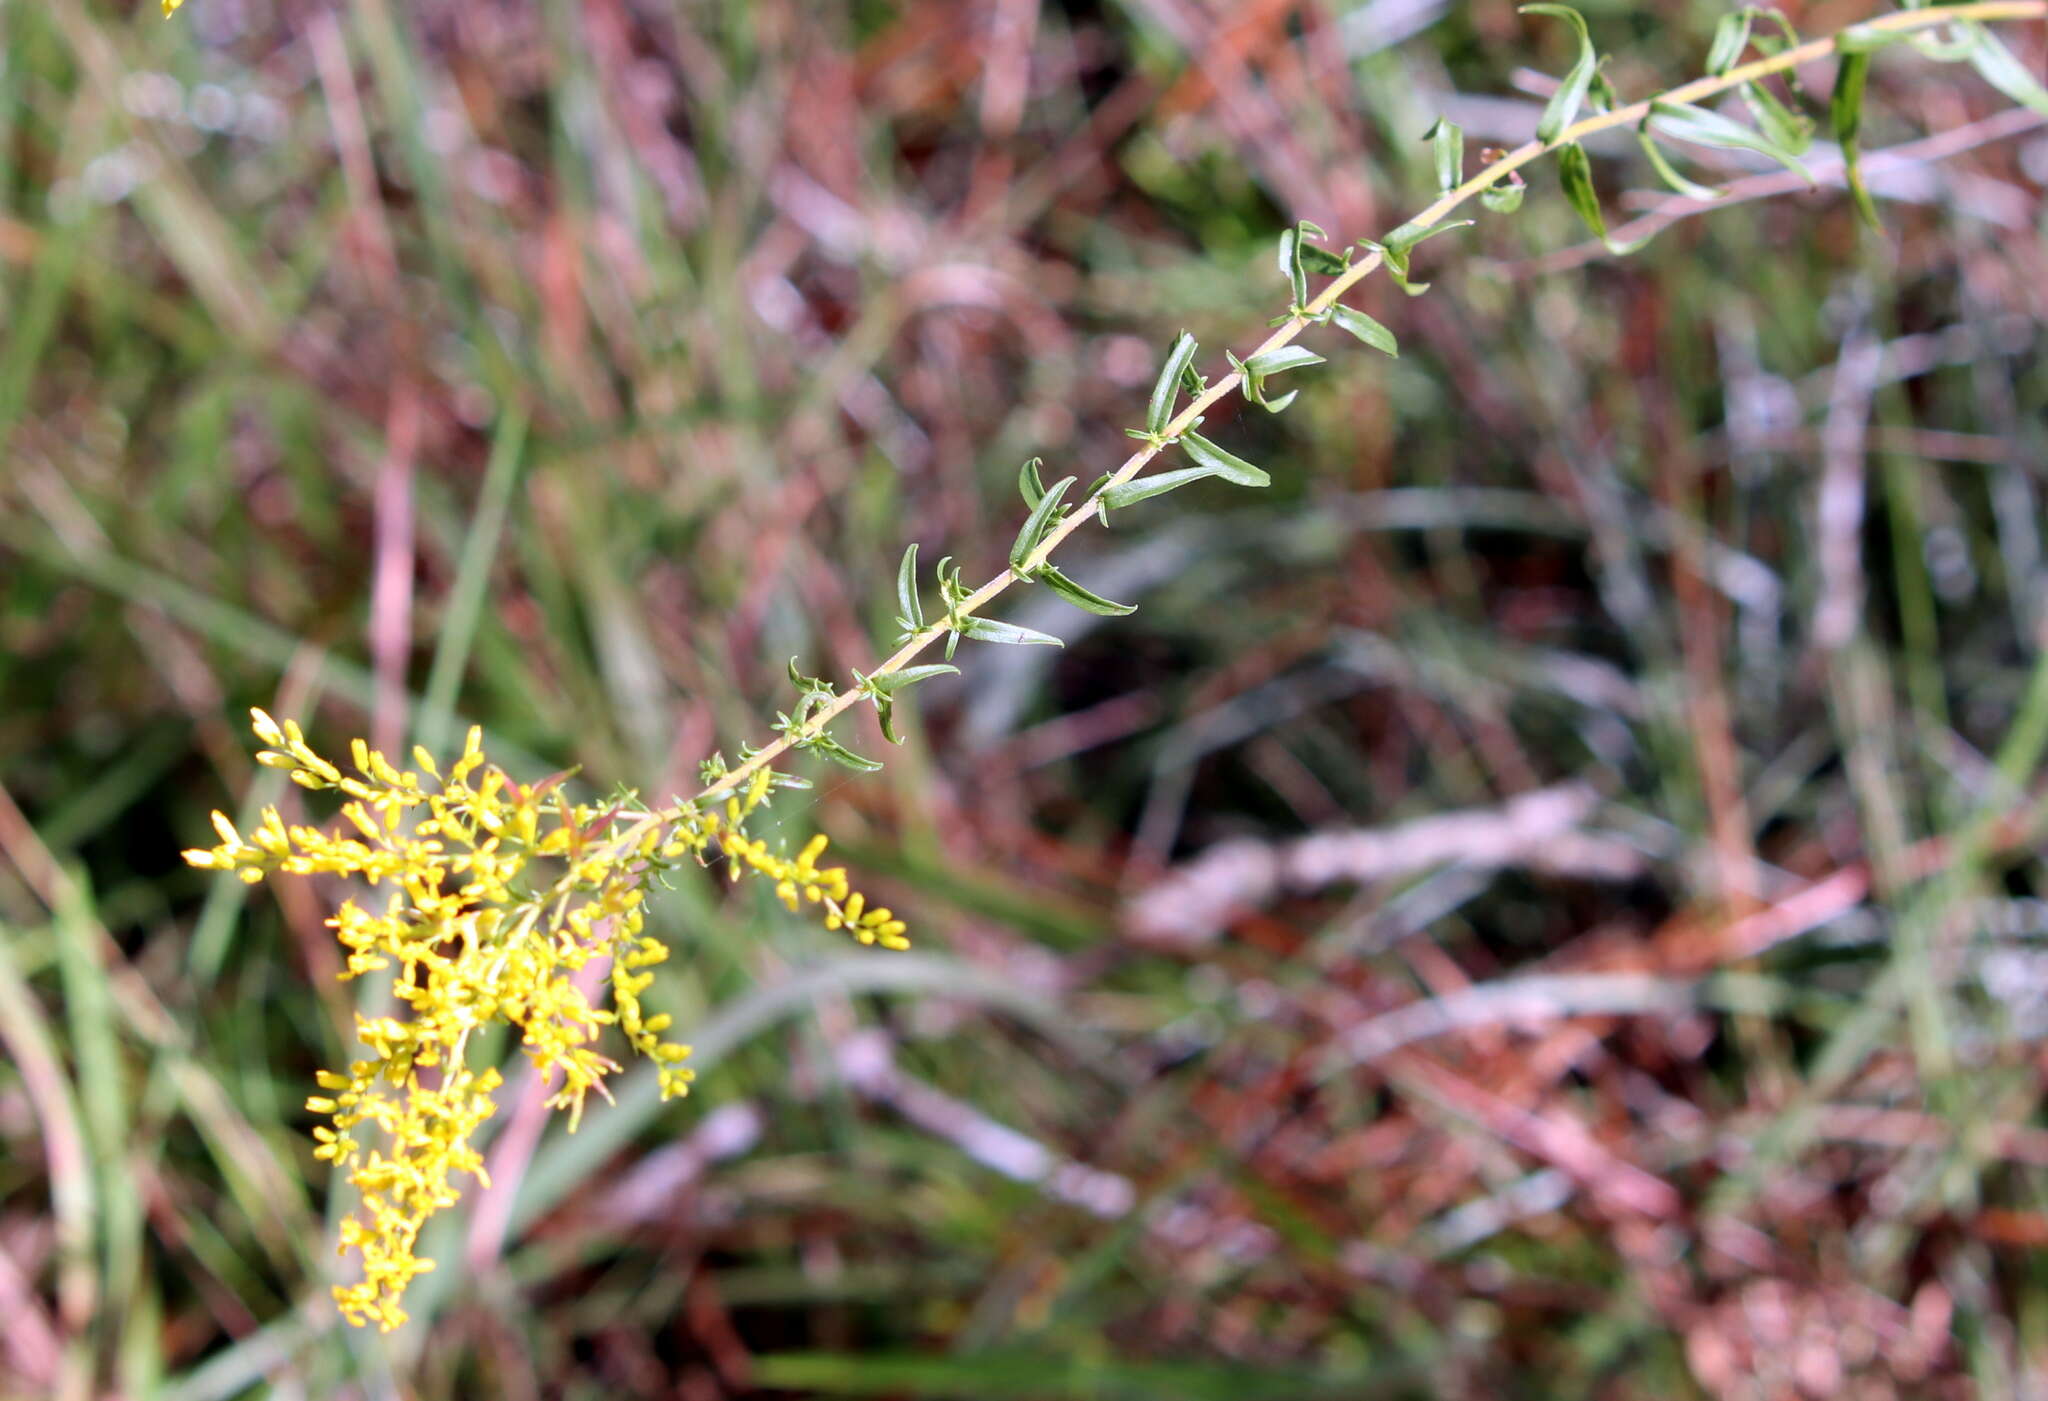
<point>494,897</point>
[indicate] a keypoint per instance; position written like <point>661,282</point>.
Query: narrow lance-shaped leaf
<point>1159,412</point>
<point>1272,362</point>
<point>1666,171</point>
<point>1396,249</point>
<point>1081,598</point>
<point>1254,387</point>
<point>1564,104</point>
<point>989,630</point>
<point>1028,484</point>
<point>1286,357</point>
<point>808,685</point>
<point>1291,266</point>
<point>1704,128</point>
<point>1991,58</point>
<point>1731,37</point>
<point>1447,145</point>
<point>1789,129</point>
<point>839,754</point>
<point>1366,329</point>
<point>882,691</point>
<point>891,682</point>
<point>1314,257</point>
<point>1095,495</point>
<point>885,715</point>
<point>912,618</point>
<point>1369,330</point>
<point>1232,469</point>
<point>1130,493</point>
<point>1575,170</point>
<point>1298,257</point>
<point>1038,525</point>
<point>1401,240</point>
<point>952,592</point>
<point>1845,116</point>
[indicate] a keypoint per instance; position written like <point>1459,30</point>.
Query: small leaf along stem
<point>1490,175</point>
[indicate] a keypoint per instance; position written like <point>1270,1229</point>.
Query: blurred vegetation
<point>567,368</point>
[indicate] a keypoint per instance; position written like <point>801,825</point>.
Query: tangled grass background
<point>1545,900</point>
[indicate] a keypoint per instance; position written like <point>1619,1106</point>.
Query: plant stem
<point>1902,22</point>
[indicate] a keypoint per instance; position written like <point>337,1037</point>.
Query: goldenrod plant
<point>494,896</point>
<point>489,896</point>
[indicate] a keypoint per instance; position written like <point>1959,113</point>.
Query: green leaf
<point>838,753</point>
<point>1397,268</point>
<point>1287,357</point>
<point>1234,470</point>
<point>1095,495</point>
<point>1447,145</point>
<point>1576,172</point>
<point>1028,484</point>
<point>1298,258</point>
<point>1790,131</point>
<point>1254,387</point>
<point>1366,329</point>
<point>1314,258</point>
<point>885,715</point>
<point>809,685</point>
<point>1505,198</point>
<point>890,682</point>
<point>989,630</point>
<point>1321,261</point>
<point>1394,252</point>
<point>1991,58</point>
<point>1705,128</point>
<point>1291,266</point>
<point>1731,37</point>
<point>1564,104</point>
<point>906,592</point>
<point>882,691</point>
<point>1398,243</point>
<point>1690,189</point>
<point>1040,523</point>
<point>1081,598</point>
<point>1130,493</point>
<point>1845,117</point>
<point>1159,412</point>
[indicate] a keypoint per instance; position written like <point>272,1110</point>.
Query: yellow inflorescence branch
<point>494,897</point>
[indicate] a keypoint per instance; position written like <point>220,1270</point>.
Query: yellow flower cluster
<point>496,897</point>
